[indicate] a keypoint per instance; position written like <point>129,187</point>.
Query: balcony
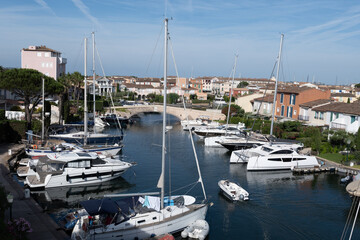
<point>303,118</point>
<point>337,126</point>
<point>62,60</point>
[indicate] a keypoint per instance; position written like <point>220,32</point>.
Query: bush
<point>2,114</point>
<point>12,131</point>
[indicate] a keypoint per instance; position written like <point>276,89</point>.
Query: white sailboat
<point>142,217</point>
<point>86,137</point>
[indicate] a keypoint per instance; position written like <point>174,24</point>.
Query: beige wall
<point>244,101</point>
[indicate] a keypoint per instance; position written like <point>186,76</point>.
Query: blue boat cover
<point>108,205</point>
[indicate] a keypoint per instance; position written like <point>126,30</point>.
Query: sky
<point>321,38</point>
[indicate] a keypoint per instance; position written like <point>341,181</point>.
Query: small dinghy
<point>233,191</point>
<point>198,230</point>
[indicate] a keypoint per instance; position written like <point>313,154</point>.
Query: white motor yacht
<point>71,169</point>
<point>243,155</point>
<point>230,129</point>
<point>199,122</point>
<point>281,161</point>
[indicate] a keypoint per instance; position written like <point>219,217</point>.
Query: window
<point>283,152</point>
<point>352,119</point>
<point>47,54</point>
<point>316,115</point>
<point>321,116</point>
<point>286,159</point>
<point>281,98</point>
<point>292,99</point>
<point>42,64</point>
<point>39,54</point>
<point>275,159</point>
<point>282,110</point>
<point>51,65</point>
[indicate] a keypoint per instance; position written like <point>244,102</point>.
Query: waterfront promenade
<point>42,224</point>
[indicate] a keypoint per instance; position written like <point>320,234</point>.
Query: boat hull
<point>273,163</point>
<point>142,230</point>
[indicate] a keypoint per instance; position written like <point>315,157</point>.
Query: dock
<point>43,226</point>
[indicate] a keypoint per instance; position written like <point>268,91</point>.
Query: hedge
<point>12,131</point>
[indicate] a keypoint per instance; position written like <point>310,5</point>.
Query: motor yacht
<point>70,169</point>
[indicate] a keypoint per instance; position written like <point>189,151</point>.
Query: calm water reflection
<point>281,206</point>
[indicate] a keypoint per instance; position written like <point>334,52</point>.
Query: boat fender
<point>67,178</point>
<point>97,174</point>
<point>112,173</point>
<point>241,196</point>
<point>185,232</point>
<point>83,175</point>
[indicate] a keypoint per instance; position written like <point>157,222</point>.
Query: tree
<point>27,85</point>
<point>63,95</point>
<point>235,110</point>
<point>172,98</point>
<point>77,80</point>
<point>242,84</point>
<point>357,85</point>
<point>357,140</point>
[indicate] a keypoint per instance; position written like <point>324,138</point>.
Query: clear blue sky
<point>321,37</point>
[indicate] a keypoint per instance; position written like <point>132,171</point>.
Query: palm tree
<point>77,81</point>
<point>64,95</point>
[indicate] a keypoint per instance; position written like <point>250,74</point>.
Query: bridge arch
<point>182,114</point>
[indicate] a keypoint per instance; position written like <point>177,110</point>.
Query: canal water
<point>281,205</point>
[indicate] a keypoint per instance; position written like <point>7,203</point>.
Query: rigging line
<point>349,217</point>
<point>153,53</point>
<point>79,54</point>
<point>102,68</point>
<point>178,189</point>
<point>352,229</point>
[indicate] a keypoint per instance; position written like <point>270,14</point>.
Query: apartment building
<point>289,98</point>
<point>45,60</point>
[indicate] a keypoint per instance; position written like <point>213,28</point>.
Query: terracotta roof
<point>267,98</point>
<point>41,48</point>
<point>342,95</point>
<point>315,103</point>
<point>292,89</point>
<point>340,107</point>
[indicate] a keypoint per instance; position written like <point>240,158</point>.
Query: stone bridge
<point>181,113</point>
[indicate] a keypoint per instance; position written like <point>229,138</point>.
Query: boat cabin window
<point>287,159</point>
<point>299,159</point>
<point>266,149</point>
<point>283,152</point>
<point>275,159</point>
<point>79,164</point>
<point>98,161</point>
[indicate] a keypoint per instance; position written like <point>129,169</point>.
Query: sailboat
<point>85,137</point>
<point>142,216</point>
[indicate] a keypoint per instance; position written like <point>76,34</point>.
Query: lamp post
<point>347,149</point>
<point>10,199</point>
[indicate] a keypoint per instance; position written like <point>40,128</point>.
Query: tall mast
<point>85,96</point>
<point>276,85</point>
<point>161,183</point>
<point>43,112</point>
<point>231,88</point>
<point>93,39</point>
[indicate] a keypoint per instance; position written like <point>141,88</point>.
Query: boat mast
<point>85,96</point>
<point>93,41</point>
<point>231,88</point>
<point>43,112</point>
<point>276,85</point>
<point>161,182</point>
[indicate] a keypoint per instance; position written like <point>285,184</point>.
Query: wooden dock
<point>300,171</point>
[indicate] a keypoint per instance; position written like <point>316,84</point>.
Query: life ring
<point>34,146</point>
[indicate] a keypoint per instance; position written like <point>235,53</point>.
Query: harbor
<point>295,202</point>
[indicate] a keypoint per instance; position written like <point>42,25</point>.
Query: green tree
<point>77,80</point>
<point>357,140</point>
<point>357,85</point>
<point>172,98</point>
<point>235,111</point>
<point>64,95</point>
<point>242,84</point>
<point>27,85</point>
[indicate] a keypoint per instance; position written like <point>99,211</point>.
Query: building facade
<point>45,60</point>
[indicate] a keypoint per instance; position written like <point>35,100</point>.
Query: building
<point>343,97</point>
<point>263,105</point>
<point>311,117</point>
<point>289,98</point>
<point>45,60</point>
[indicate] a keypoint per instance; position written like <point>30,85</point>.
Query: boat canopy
<point>108,205</point>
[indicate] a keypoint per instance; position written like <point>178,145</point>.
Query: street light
<point>10,199</point>
<point>347,149</point>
